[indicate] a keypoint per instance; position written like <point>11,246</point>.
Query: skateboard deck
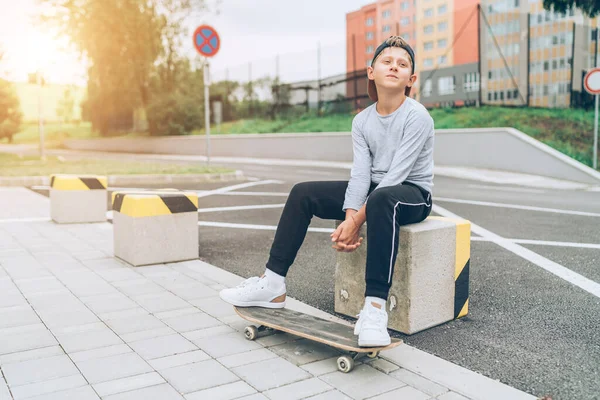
<point>312,328</point>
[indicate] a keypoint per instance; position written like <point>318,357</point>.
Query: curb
<point>124,180</point>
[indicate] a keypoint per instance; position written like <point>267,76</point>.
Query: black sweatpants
<point>387,209</point>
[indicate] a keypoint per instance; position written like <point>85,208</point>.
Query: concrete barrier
<point>153,227</point>
<point>430,285</point>
<point>77,198</point>
<point>498,149</point>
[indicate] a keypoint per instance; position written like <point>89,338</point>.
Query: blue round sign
<point>206,40</point>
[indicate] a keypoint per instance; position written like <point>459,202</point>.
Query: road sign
<point>591,81</point>
<point>206,40</point>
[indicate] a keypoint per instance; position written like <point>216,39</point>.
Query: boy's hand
<point>345,237</point>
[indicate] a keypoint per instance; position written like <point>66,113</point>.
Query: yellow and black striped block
<point>461,273</point>
<point>462,263</point>
<point>154,203</point>
<point>78,182</point>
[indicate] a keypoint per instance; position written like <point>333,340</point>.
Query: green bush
<point>174,114</point>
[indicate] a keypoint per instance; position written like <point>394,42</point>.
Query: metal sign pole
<point>207,110</point>
<point>595,162</point>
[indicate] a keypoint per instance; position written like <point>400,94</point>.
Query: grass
<point>15,165</point>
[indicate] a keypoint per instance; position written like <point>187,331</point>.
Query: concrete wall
<point>503,149</point>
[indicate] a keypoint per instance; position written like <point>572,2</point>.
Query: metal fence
<point>524,59</point>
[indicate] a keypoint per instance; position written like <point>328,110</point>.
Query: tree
<point>591,8</point>
<point>126,43</point>
<point>10,113</point>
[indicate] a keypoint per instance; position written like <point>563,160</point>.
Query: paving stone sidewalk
<point>77,323</point>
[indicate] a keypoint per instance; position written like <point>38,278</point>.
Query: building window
<point>427,88</point>
<point>386,14</point>
<point>446,85</point>
<point>442,26</point>
<point>546,65</point>
<point>489,96</point>
<point>428,29</point>
<point>515,93</point>
<point>405,5</point>
<point>428,46</point>
<point>369,22</point>
<point>369,35</point>
<point>508,95</point>
<point>386,28</point>
<point>442,60</point>
<point>428,62</point>
<point>369,49</point>
<point>442,43</point>
<point>428,12</point>
<point>471,82</point>
<point>406,36</point>
<point>405,21</point>
<point>545,90</point>
<point>442,9</point>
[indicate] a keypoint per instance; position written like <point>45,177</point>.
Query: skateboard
<point>334,334</point>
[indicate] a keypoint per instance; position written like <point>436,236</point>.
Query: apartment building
<point>533,56</point>
<point>529,56</point>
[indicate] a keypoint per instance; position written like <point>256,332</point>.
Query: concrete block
<point>155,227</point>
<point>430,281</point>
<point>77,198</point>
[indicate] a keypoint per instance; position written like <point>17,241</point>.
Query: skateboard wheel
<point>251,332</point>
<point>373,354</point>
<point>345,364</point>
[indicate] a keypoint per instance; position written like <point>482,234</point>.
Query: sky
<point>252,32</point>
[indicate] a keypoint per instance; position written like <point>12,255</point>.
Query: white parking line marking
<point>236,187</point>
<point>277,194</point>
<point>515,206</point>
<point>258,227</point>
<point>554,268</point>
<point>239,208</point>
<point>543,243</point>
<point>557,244</point>
<point>313,172</point>
<point>507,189</point>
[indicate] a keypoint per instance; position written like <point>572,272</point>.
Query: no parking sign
<point>207,42</point>
<point>591,83</point>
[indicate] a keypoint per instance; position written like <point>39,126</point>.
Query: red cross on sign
<point>206,40</point>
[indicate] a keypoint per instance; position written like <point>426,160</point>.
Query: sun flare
<point>29,47</point>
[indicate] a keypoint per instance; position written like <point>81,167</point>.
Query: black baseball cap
<point>390,42</point>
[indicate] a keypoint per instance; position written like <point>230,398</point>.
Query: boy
<point>390,186</point>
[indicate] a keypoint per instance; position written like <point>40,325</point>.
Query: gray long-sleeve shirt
<point>389,150</point>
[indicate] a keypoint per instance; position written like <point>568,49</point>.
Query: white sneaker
<point>371,327</point>
<point>254,292</point>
